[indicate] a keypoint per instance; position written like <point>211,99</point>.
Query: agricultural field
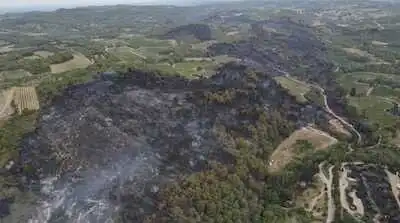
<point>368,83</point>
<point>78,62</point>
<point>375,109</point>
<point>3,42</point>
<point>7,48</point>
<point>375,93</point>
<point>139,41</point>
<point>191,68</point>
<point>125,53</point>
<point>6,97</point>
<point>33,57</point>
<point>43,53</point>
<point>295,87</point>
<point>25,98</point>
<point>14,74</point>
<point>287,150</point>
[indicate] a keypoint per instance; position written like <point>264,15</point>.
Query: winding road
<point>326,105</point>
<point>328,181</point>
<point>344,122</point>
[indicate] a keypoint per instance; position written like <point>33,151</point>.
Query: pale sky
<point>27,3</point>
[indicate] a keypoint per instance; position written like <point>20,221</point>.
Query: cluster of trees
<point>56,84</point>
<point>60,57</point>
<point>242,192</point>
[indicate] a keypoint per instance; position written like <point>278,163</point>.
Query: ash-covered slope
<point>281,47</point>
<point>104,142</point>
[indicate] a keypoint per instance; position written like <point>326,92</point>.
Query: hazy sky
<point>27,3</point>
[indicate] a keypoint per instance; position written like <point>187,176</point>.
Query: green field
<point>139,41</point>
<point>295,88</point>
<point>127,54</point>
<point>14,74</point>
<point>374,108</point>
<point>187,69</point>
<point>78,62</point>
<point>191,68</point>
<point>358,81</point>
<point>43,53</point>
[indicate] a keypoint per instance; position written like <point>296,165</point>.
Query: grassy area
<point>14,74</point>
<point>295,88</point>
<point>127,54</point>
<point>191,68</point>
<point>79,61</point>
<point>43,53</point>
<point>357,80</point>
<point>374,108</point>
<point>139,41</point>
<point>187,69</point>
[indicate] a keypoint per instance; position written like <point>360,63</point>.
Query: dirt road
<point>344,122</point>
<point>326,105</point>
<point>394,181</point>
<point>369,91</point>
<point>328,181</point>
<point>343,184</point>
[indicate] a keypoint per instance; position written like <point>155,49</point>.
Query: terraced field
<point>78,62</point>
<point>25,98</point>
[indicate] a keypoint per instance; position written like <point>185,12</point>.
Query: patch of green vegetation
<point>11,133</point>
<point>314,95</point>
<point>374,109</point>
<point>295,88</point>
<point>14,74</point>
<point>60,57</point>
<point>139,41</point>
<point>191,68</point>
<point>127,54</point>
<point>56,83</point>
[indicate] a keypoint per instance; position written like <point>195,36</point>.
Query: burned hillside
<point>282,47</point>
<point>155,128</point>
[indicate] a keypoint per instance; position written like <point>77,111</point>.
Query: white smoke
<point>87,200</point>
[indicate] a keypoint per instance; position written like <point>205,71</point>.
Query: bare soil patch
<point>6,109</point>
<point>337,127</point>
<point>379,43</point>
<point>78,62</point>
<point>285,151</point>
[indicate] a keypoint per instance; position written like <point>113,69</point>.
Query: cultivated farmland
<point>43,53</point>
<point>6,97</point>
<point>79,61</point>
<point>25,98</point>
<point>295,87</point>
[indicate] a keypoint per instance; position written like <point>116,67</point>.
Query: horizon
<point>45,5</point>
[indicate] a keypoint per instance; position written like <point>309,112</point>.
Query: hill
<point>200,32</point>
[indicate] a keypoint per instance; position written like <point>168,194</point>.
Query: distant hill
<point>198,31</point>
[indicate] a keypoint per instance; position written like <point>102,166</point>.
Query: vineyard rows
<point>25,98</point>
